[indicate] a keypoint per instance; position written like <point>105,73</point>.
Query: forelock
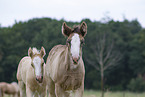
<point>76,29</point>
<point>35,51</point>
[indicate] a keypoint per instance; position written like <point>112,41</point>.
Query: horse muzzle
<point>75,60</point>
<point>39,79</point>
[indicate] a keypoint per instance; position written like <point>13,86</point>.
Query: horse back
<point>8,88</point>
<point>16,86</point>
<point>11,89</point>
<point>3,86</point>
<point>56,49</point>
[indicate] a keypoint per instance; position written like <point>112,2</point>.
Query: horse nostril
<point>75,60</point>
<point>37,79</point>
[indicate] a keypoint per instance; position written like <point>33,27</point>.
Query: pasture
<point>91,93</point>
<point>113,94</point>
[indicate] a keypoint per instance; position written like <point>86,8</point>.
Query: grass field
<point>113,94</point>
<point>110,94</point>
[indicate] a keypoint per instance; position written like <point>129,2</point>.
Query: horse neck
<point>67,60</point>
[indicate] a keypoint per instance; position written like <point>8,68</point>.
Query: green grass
<point>113,94</point>
<point>91,93</point>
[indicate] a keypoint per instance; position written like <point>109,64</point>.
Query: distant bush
<point>116,88</point>
<point>137,85</point>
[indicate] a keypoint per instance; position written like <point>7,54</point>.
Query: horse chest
<point>34,85</point>
<point>71,80</point>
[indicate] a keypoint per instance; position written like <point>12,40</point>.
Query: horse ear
<point>83,29</point>
<point>66,30</point>
<point>30,52</point>
<point>42,52</point>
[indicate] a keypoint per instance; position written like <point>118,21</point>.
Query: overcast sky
<point>71,10</point>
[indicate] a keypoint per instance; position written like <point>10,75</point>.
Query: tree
<point>105,55</point>
<point>137,54</point>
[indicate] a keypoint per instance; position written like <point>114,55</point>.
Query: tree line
<point>126,39</point>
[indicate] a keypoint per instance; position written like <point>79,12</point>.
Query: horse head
<point>37,62</point>
<point>75,40</point>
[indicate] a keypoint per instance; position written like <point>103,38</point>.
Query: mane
<point>35,51</point>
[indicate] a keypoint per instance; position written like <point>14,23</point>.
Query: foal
<point>65,67</point>
<point>30,74</point>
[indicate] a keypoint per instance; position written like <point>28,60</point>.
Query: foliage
<point>137,85</point>
<point>128,36</point>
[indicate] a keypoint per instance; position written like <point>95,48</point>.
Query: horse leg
<point>22,89</point>
<point>2,93</point>
<point>43,94</point>
<point>15,95</point>
<point>29,93</point>
<point>18,94</point>
<point>51,88</point>
<point>60,92</point>
<point>79,92</point>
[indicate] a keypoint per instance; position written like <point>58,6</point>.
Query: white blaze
<point>75,45</point>
<point>37,66</point>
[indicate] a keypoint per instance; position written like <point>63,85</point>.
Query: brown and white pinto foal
<point>65,67</point>
<point>30,74</point>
